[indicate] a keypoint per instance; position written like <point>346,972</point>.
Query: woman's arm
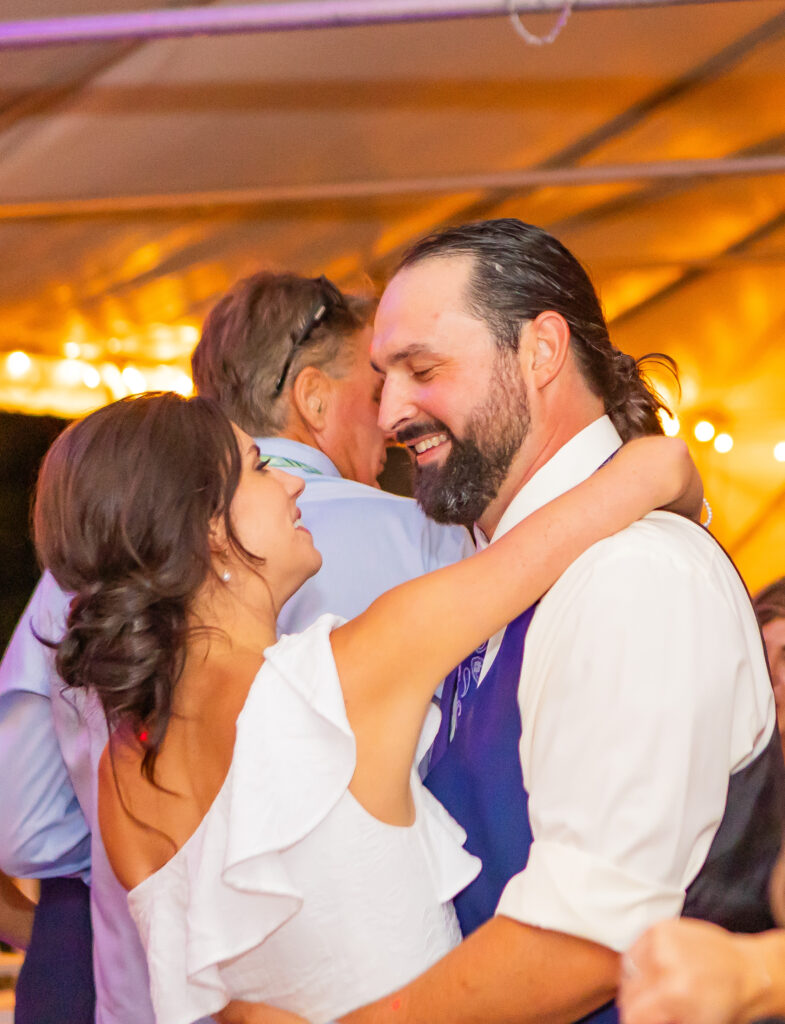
<point>692,972</point>
<point>689,501</point>
<point>16,914</point>
<point>414,634</point>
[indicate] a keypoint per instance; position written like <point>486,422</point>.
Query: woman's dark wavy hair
<point>521,271</point>
<point>122,515</point>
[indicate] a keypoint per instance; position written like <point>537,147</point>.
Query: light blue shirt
<point>50,742</point>
<point>370,541</point>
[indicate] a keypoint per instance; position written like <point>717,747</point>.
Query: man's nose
<point>395,407</point>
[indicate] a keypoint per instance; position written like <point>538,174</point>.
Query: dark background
<point>23,442</point>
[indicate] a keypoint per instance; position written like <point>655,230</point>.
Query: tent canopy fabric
<point>139,179</point>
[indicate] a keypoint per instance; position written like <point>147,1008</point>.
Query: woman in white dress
<point>257,798</point>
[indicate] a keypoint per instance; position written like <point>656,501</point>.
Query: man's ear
<point>545,342</point>
<point>311,397</point>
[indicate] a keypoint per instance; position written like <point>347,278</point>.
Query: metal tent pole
<point>566,177</point>
<point>275,17</point>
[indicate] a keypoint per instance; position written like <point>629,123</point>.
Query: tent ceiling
<point>690,266</point>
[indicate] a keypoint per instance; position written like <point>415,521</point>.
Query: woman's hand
<point>692,972</point>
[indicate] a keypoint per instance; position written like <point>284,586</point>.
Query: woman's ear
<point>311,397</point>
<point>216,536</point>
<point>545,342</point>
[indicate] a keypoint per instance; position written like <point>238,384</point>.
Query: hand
<point>240,1012</point>
<point>691,972</point>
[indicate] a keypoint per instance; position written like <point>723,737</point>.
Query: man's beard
<point>461,488</point>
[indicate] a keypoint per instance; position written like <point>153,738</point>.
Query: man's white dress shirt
<point>643,671</point>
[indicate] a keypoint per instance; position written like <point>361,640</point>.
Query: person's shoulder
<point>336,488</point>
<point>663,551</point>
<point>353,498</point>
<point>662,536</point>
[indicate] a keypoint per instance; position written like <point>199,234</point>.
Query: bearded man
<point>612,754</point>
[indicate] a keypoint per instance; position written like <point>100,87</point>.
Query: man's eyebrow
<point>415,349</point>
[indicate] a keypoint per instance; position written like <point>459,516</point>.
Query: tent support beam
<point>566,177</point>
<point>280,16</point>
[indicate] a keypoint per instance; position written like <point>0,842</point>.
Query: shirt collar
<point>573,463</point>
<point>288,449</point>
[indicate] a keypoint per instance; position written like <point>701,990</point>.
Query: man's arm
<point>44,832</point>
<point>505,972</point>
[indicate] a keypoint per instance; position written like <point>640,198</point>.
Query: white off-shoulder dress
<point>289,892</point>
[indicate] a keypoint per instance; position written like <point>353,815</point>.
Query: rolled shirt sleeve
<point>44,832</point>
<point>645,686</point>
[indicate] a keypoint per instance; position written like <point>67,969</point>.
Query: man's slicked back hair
<point>520,271</point>
<point>249,334</point>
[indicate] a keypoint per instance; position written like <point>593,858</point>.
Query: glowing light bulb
<point>69,372</point>
<point>723,443</point>
<point>704,431</point>
<point>91,377</point>
<point>779,451</point>
<point>134,380</point>
<point>17,364</point>
<point>72,349</point>
<point>670,424</point>
<point>183,384</point>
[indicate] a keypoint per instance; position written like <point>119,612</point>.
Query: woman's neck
<point>233,617</point>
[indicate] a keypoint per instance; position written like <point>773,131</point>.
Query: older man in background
<point>287,358</point>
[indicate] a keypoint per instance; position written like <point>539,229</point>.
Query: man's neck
<point>538,448</point>
<point>296,430</point>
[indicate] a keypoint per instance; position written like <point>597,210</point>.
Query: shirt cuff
<point>568,890</point>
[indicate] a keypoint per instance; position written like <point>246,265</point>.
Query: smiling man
<point>604,751</point>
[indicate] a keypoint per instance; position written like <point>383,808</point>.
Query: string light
<point>723,443</point>
<point>134,380</point>
<point>18,364</point>
<point>91,378</point>
<point>670,424</point>
<point>779,451</point>
<point>38,384</point>
<point>704,430</point>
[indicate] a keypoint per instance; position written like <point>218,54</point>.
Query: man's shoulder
<point>669,539</point>
<point>341,512</point>
<point>662,554</point>
<point>338,488</point>
<point>360,499</point>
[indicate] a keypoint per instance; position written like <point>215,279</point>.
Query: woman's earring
<point>226,575</point>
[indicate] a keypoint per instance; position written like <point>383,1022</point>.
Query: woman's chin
<point>308,571</point>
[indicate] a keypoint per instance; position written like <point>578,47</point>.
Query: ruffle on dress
<point>228,887</point>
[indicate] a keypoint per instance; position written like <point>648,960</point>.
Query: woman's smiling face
<point>268,522</point>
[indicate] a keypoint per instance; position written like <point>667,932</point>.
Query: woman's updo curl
<point>123,511</point>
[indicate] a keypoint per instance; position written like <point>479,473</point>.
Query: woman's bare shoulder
<point>130,816</point>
